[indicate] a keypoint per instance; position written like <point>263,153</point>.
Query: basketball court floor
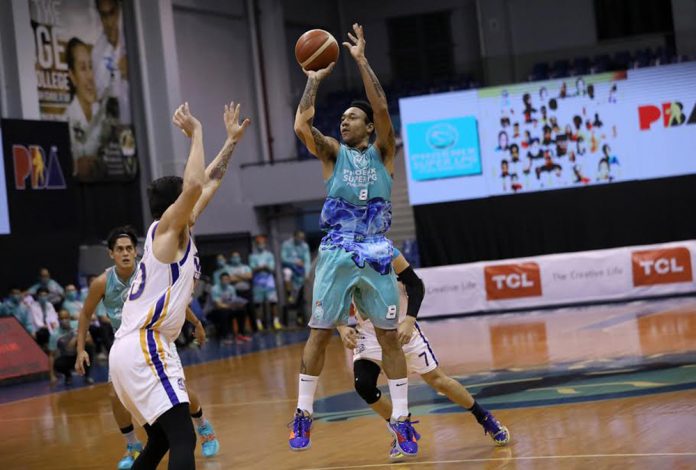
<point>611,386</point>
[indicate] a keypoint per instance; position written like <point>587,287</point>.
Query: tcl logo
<point>511,281</point>
<point>664,266</point>
<point>672,114</point>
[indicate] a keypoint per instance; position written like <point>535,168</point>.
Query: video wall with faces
<point>557,134</point>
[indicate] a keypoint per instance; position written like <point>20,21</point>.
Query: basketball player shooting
<point>148,379</point>
<point>355,255</point>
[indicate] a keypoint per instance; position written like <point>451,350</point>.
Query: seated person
<point>228,310</point>
<point>62,348</point>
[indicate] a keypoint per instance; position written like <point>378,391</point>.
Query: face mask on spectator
<point>236,260</point>
<point>43,300</point>
<point>15,298</point>
<point>65,324</point>
<point>221,262</point>
<point>71,295</point>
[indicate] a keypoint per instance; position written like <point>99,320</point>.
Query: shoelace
<point>298,425</point>
<point>408,428</point>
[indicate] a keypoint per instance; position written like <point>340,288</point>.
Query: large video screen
<point>4,213</point>
<point>556,134</point>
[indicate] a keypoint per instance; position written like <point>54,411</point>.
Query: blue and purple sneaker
<point>406,438</point>
<point>299,434</point>
<point>497,432</point>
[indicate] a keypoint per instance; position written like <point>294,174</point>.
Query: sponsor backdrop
<point>570,278</point>
<point>566,133</point>
<point>44,203</point>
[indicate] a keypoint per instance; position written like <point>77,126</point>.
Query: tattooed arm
<point>218,167</point>
<point>386,142</point>
<point>323,147</point>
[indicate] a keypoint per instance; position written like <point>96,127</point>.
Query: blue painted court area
<point>211,351</point>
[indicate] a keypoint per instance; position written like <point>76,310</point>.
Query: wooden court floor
<point>583,388</point>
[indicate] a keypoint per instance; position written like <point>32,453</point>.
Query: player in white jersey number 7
<point>148,379</point>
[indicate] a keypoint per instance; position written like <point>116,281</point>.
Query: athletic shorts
<point>338,281</point>
<point>420,358</point>
<point>147,375</point>
<point>172,349</point>
<point>265,294</point>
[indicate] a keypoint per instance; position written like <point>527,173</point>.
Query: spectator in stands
<point>296,261</point>
<point>221,264</point>
<point>62,348</point>
<point>55,291</point>
<point>72,304</point>
<point>262,263</point>
<point>14,306</point>
<point>228,310</point>
<point>240,277</point>
<point>43,316</point>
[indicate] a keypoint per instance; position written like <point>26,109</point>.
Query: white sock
<point>308,387</point>
<point>398,390</point>
<point>131,438</point>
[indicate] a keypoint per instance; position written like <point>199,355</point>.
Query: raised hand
<point>184,120</point>
<point>356,46</point>
<point>320,74</point>
<point>235,130</point>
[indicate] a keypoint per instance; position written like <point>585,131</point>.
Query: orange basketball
<point>316,49</point>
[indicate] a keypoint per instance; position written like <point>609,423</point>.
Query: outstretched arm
<point>386,142</point>
<point>218,167</point>
<point>171,231</point>
<point>324,148</point>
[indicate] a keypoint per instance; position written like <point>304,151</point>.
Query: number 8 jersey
<point>160,292</point>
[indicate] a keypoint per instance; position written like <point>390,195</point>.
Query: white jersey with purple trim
<point>146,371</point>
<point>160,292</point>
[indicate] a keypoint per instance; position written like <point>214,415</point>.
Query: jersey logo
<point>360,160</point>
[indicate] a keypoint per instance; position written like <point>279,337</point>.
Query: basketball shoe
<point>299,435</point>
<point>210,445</point>
<point>497,432</point>
<point>405,437</point>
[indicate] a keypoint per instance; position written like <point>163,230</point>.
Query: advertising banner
<point>562,279</point>
<point>564,133</point>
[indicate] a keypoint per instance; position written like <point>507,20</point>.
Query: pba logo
<point>31,163</point>
<point>512,281</point>
<point>664,266</point>
<point>672,114</point>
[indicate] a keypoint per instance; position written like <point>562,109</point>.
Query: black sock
<point>127,429</point>
<point>198,413</point>
<point>478,412</point>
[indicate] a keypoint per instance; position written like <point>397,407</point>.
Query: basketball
<point>316,49</point>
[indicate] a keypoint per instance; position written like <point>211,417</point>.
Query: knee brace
<point>366,373</point>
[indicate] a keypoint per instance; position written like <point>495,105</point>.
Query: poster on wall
<point>82,75</point>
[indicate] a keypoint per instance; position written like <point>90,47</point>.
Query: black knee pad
<point>366,374</point>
